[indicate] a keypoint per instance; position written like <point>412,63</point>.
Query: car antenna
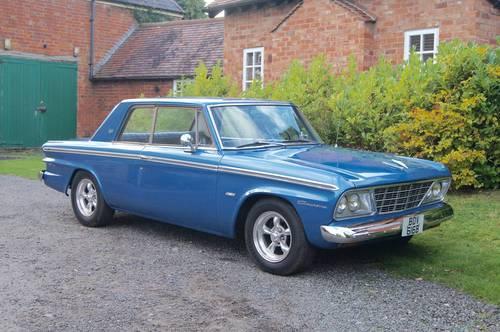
<point>337,133</point>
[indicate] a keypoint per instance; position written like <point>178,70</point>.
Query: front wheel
<point>275,238</point>
<point>88,203</point>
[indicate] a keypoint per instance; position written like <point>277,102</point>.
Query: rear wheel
<point>87,201</point>
<point>275,238</point>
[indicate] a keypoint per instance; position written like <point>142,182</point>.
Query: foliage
<point>210,83</point>
<point>150,16</point>
<point>193,9</point>
<point>445,110</point>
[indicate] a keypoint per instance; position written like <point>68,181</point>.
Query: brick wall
<point>106,94</point>
<point>321,26</point>
<point>470,20</point>
<point>318,26</point>
<point>55,27</point>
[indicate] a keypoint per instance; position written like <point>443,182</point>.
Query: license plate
<point>412,225</point>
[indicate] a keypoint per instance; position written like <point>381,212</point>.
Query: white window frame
<point>175,86</point>
<point>253,66</point>
<point>421,33</point>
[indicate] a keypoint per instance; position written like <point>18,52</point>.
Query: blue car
<point>249,168</point>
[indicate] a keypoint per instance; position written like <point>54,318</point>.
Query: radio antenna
<point>337,134</point>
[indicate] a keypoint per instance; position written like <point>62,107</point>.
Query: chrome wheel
<point>86,197</point>
<point>272,236</point>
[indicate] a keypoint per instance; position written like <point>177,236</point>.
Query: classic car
<point>248,169</point>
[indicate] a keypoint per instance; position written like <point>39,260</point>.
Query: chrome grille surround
<point>397,198</point>
<point>394,198</point>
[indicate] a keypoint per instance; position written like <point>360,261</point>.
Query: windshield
<point>261,125</point>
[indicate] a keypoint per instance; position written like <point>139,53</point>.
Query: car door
<point>179,184</point>
<point>119,166</point>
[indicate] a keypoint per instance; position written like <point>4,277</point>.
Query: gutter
<point>91,48</point>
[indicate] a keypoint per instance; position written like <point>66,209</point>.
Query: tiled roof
<point>219,5</point>
<point>167,5</point>
<point>166,50</point>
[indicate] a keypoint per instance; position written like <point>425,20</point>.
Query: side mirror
<point>187,141</point>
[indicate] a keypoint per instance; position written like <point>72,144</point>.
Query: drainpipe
<point>91,48</point>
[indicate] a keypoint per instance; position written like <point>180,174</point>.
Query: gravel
<point>137,274</point>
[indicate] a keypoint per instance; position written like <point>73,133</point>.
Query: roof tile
<point>168,5</point>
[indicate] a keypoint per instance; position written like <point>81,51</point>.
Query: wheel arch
<point>248,202</point>
<point>82,169</point>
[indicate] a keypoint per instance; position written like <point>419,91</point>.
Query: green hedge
<point>445,110</point>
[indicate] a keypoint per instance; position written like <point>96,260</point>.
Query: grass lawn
<point>463,253</point>
<point>26,164</point>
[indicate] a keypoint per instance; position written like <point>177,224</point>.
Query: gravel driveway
<point>139,274</point>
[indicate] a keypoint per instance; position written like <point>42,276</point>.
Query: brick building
<point>263,37</point>
<point>51,87</point>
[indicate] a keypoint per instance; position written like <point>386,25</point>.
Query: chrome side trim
<point>225,169</point>
<point>385,228</point>
<point>94,153</point>
<point>284,178</point>
<point>134,157</point>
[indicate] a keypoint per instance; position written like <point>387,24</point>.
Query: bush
<point>446,110</point>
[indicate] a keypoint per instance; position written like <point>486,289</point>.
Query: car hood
<point>361,168</point>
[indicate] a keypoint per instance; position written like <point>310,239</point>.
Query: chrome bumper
<point>384,228</point>
<point>40,175</point>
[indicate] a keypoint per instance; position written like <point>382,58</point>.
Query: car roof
<point>207,101</point>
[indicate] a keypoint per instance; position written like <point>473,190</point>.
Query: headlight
<point>354,204</point>
<point>437,191</point>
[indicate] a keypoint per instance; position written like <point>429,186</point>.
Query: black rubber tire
<point>103,213</point>
<point>301,253</point>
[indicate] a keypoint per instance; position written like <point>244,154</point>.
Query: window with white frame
<point>423,42</point>
<point>253,66</point>
<point>179,86</point>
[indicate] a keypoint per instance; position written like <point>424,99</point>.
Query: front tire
<point>87,201</point>
<point>275,238</point>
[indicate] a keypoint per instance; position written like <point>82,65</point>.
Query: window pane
<point>258,58</point>
<point>415,42</point>
<point>139,125</point>
<point>429,42</point>
<point>249,74</point>
<point>249,59</point>
<point>172,123</point>
<point>427,56</point>
<point>258,73</point>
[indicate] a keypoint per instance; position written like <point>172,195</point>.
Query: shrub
<point>445,110</point>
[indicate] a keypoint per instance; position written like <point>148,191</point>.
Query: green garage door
<point>37,101</point>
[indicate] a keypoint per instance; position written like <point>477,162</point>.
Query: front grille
<point>401,197</point>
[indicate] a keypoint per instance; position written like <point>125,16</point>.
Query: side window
<point>139,126</point>
<point>172,123</point>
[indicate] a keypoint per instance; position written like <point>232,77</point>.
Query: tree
<point>193,9</point>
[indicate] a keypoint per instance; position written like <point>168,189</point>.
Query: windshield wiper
<point>298,141</point>
<point>259,143</point>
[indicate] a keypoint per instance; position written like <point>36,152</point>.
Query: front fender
<point>314,206</point>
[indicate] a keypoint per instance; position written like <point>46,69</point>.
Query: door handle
<point>41,108</point>
<point>143,157</point>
